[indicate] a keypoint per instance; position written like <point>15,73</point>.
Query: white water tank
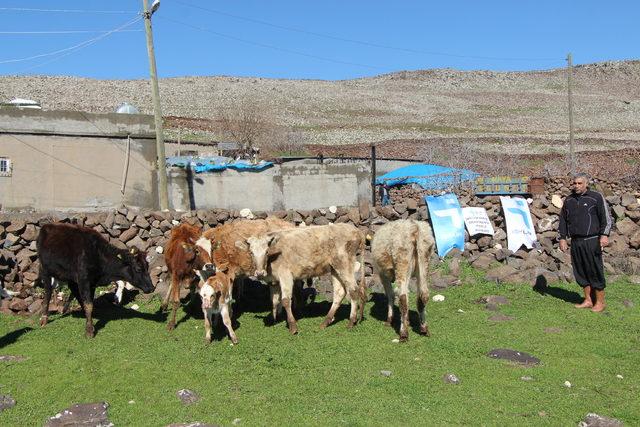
<point>126,108</point>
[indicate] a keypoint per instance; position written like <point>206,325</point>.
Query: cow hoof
<point>351,324</point>
<point>171,326</point>
<point>404,338</point>
<point>43,321</point>
<point>424,330</point>
<point>294,330</point>
<point>234,341</point>
<point>388,323</point>
<point>90,333</point>
<point>207,340</point>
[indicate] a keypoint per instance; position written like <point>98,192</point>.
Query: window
<point>5,166</point>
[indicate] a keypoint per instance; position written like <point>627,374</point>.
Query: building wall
<point>289,186</point>
<point>74,160</point>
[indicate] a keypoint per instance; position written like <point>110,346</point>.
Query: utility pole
<point>163,194</point>
<point>569,84</point>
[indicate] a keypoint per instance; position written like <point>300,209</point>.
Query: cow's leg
<point>286,287</point>
<point>297,300</point>
<point>338,296</point>
<point>346,275</point>
<point>274,290</point>
<point>46,282</point>
<point>86,299</point>
<point>73,293</point>
<point>387,284</point>
<point>175,302</point>
<point>226,318</point>
<point>422,299</point>
<point>403,299</point>
<point>207,325</point>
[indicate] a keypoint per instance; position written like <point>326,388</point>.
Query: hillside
<point>525,110</point>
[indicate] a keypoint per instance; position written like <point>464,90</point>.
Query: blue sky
<point>328,39</point>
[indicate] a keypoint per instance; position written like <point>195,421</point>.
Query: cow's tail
<point>363,284</point>
<point>423,250</point>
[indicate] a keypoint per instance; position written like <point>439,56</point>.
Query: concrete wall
<point>75,160</point>
<point>303,185</point>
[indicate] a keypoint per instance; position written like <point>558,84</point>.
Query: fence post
<point>373,175</point>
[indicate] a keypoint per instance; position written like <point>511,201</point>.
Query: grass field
<point>333,377</point>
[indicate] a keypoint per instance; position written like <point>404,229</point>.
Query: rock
<point>30,233</point>
<point>141,222</point>
<point>86,414</point>
<point>634,240</point>
<point>553,330</point>
<point>526,378</point>
<point>18,304</point>
<point>321,221</point>
<point>556,200</point>
<point>11,358</point>
<point>438,298</point>
<point>514,356</point>
<point>9,240</point>
<point>128,234</point>
<point>547,224</point>
<point>385,373</point>
<point>451,379</point>
<point>246,213</point>
<point>138,242</point>
<point>333,209</point>
<point>6,402</point>
<point>454,267</point>
<point>634,279</point>
<point>499,274</point>
<point>194,424</point>
<point>364,209</point>
<point>618,211</point>
<point>595,420</point>
<point>627,199</point>
<point>627,303</point>
<point>16,227</point>
<point>412,205</point>
<point>483,262</point>
<point>627,227</point>
<point>187,396</point>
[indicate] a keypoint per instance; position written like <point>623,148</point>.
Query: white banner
<point>520,229</point>
<point>477,221</point>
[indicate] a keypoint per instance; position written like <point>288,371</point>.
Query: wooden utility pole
<point>373,175</point>
<point>163,193</point>
<point>569,84</point>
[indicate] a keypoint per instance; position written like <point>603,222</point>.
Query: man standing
<point>585,218</point>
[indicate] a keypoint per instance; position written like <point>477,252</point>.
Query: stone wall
<point>149,230</point>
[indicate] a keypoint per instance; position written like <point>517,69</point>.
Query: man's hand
<point>604,241</point>
<point>563,245</point>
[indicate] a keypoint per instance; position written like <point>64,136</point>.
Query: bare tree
<point>246,123</point>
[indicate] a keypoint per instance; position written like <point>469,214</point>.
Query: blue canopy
<point>216,163</point>
<point>429,177</point>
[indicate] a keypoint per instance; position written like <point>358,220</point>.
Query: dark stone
<point>451,379</point>
<point>187,396</point>
<point>513,356</point>
<point>6,402</point>
<point>553,330</point>
<point>82,414</point>
<point>500,318</point>
<point>11,358</point>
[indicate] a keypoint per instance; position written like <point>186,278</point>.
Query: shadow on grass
<point>12,337</point>
<point>379,312</point>
<point>543,288</point>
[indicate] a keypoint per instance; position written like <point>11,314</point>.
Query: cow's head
<point>136,270</point>
<point>262,250</point>
<point>212,288</point>
<point>200,254</point>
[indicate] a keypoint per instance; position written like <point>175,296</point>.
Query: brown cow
<point>311,252</point>
<point>402,249</point>
<point>231,254</point>
<point>185,252</point>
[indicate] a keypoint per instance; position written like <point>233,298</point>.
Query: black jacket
<point>584,215</point>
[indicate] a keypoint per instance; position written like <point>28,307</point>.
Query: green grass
<point>332,377</point>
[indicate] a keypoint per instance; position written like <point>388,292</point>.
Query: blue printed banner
<point>520,229</point>
<point>448,222</point>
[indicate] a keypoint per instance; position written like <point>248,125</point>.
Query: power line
<point>366,43</point>
<point>268,46</point>
<point>72,48</point>
<point>64,32</point>
<point>27,9</point>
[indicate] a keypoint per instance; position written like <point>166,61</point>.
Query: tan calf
<point>308,252</point>
<point>401,249</point>
<point>215,293</point>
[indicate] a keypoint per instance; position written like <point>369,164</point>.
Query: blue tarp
<point>429,177</point>
<point>216,163</point>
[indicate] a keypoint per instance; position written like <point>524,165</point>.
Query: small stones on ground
<point>187,396</point>
<point>193,424</point>
<point>385,373</point>
<point>395,340</point>
<point>619,376</point>
<point>451,379</point>
<point>236,421</point>
<point>135,307</point>
<point>526,378</point>
<point>438,298</point>
<point>567,384</point>
<point>131,402</point>
<point>6,402</point>
<point>460,310</point>
<point>514,356</point>
<point>627,303</point>
<point>595,420</point>
<point>159,249</point>
<point>552,330</point>
<point>82,414</point>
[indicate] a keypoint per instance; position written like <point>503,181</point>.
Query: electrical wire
<point>62,32</point>
<point>365,43</point>
<point>72,48</point>
<point>268,46</point>
<point>27,9</point>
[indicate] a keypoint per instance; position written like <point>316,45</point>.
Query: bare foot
<point>598,308</point>
<point>585,304</point>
